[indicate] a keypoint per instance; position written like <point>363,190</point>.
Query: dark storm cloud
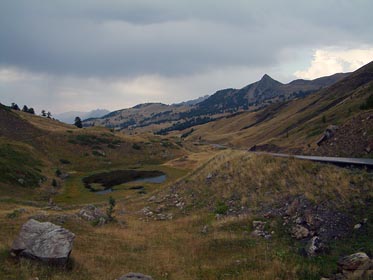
<point>115,38</point>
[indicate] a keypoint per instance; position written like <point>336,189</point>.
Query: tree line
<point>44,113</point>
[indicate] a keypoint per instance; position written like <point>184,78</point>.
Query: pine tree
<point>78,122</point>
<point>25,109</point>
<point>14,106</point>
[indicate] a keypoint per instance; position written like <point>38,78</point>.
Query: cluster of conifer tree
<point>30,110</point>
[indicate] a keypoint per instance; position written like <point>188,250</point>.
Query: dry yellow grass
<point>166,250</point>
<point>258,179</point>
<point>293,125</point>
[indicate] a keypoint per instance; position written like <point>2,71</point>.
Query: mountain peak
<point>267,81</point>
<point>266,77</point>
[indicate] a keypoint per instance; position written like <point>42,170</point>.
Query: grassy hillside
<point>295,125</point>
<point>33,148</point>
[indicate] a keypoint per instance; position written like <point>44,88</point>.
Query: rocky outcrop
<point>135,276</point>
<point>315,225</point>
<point>352,139</point>
<point>43,241</point>
<point>93,214</point>
<point>328,134</point>
<point>156,214</point>
<point>354,261</point>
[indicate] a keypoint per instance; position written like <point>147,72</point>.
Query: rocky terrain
<point>351,139</point>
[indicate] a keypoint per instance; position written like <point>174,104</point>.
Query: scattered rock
<point>209,176</point>
<point>314,247</point>
<point>93,214</point>
<point>319,219</point>
<point>259,231</point>
<point>259,225</point>
<point>219,216</point>
<point>43,241</point>
<point>205,229</point>
<point>180,204</point>
<point>53,207</point>
<point>299,220</point>
<point>164,217</point>
<point>147,212</point>
<point>134,276</point>
<point>357,226</point>
<point>300,232</point>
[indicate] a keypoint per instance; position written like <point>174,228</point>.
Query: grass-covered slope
<point>36,150</point>
<point>295,125</point>
<point>19,166</point>
<point>247,182</point>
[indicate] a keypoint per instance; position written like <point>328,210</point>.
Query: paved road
<point>360,162</point>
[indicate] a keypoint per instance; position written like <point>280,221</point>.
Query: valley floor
<point>214,199</point>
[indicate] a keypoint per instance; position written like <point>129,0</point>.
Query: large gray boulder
<point>43,241</point>
<point>135,276</point>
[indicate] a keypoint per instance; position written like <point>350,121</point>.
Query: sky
<point>79,55</point>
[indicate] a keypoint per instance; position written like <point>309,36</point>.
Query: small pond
<point>103,183</point>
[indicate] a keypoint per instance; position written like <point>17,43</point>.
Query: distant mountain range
<point>162,118</point>
<point>263,92</point>
<point>69,117</point>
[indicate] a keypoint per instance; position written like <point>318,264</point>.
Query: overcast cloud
<point>81,55</point>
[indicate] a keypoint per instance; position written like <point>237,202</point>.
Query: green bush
<point>15,214</point>
<point>110,210</point>
<point>221,208</point>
